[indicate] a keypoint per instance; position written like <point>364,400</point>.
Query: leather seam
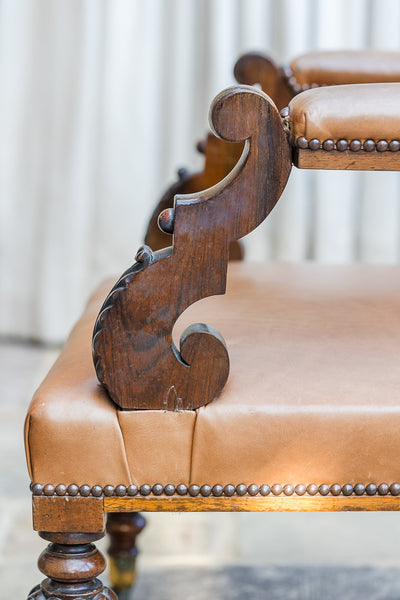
<point>192,447</point>
<point>124,447</point>
<point>27,445</point>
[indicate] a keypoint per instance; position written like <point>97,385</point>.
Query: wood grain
<point>66,514</point>
<point>255,504</point>
<point>133,352</point>
<point>220,158</point>
<point>347,160</point>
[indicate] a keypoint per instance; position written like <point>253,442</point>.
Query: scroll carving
<point>133,351</point>
<point>256,67</point>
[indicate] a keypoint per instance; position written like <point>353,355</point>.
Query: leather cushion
<point>338,67</point>
<point>365,111</point>
<point>313,395</point>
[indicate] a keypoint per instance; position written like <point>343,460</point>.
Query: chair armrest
<point>134,355</point>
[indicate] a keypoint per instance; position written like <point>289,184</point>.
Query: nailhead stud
<point>169,489</point>
<point>229,490</point>
<point>49,490</point>
<point>285,112</point>
<point>314,144</point>
<point>324,489</point>
<point>383,489</point>
<point>37,489</point>
<point>395,489</point>
<point>288,490</point>
<point>369,145</point>
<point>181,489</point>
<point>355,145</point>
<point>241,489</point>
<point>302,142</point>
<point>194,490</point>
<point>371,489</point>
<point>72,490</point>
<point>328,145</point>
<point>265,490</point>
<point>312,489</point>
<point>31,486</point>
<point>132,490</point>
<point>347,489</point>
<point>108,490</point>
<point>359,489</point>
<point>394,146</point>
<point>158,489</point>
<point>61,489</point>
<point>205,490</point>
<point>253,489</point>
<point>97,491</point>
<point>276,489</point>
<point>300,489</point>
<point>145,489</point>
<point>336,489</point>
<point>382,146</point>
<point>217,490</point>
<point>341,145</point>
<point>85,490</point>
<point>292,139</point>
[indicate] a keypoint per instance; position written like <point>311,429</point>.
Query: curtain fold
<point>101,102</point>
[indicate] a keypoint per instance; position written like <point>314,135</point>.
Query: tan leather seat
<point>336,67</point>
<point>313,395</point>
<point>349,113</point>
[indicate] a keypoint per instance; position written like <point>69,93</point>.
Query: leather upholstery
<point>338,67</point>
<point>365,111</point>
<point>313,395</point>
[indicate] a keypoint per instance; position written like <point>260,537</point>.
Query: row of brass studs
<point>342,145</point>
<point>294,85</point>
<point>217,490</point>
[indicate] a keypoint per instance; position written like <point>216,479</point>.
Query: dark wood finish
<point>71,567</point>
<point>347,160</point>
<point>66,514</point>
<point>123,528</point>
<point>253,504</point>
<point>133,352</point>
<point>256,67</point>
<point>250,69</point>
<point>220,158</point>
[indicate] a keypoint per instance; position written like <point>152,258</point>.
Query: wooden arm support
<point>220,157</point>
<point>133,351</point>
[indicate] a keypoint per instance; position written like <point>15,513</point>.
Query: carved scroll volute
<point>255,67</point>
<point>134,355</point>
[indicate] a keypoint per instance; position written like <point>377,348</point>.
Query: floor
<point>213,555</point>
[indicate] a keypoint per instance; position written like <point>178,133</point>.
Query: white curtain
<point>101,101</point>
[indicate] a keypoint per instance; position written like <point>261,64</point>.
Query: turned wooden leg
<point>71,562</point>
<point>123,529</point>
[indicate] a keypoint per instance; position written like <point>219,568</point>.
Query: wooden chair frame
<point>72,518</point>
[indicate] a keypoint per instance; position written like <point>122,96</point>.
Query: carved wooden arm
<point>134,355</point>
<point>220,157</point>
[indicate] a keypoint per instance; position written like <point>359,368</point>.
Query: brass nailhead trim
<point>342,145</point>
<point>294,85</point>
<point>217,490</point>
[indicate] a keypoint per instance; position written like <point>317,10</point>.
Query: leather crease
<point>124,447</point>
<point>192,447</point>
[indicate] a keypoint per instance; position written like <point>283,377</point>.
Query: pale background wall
<point>100,102</point>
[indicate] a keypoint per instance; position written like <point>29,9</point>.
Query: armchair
<point>296,410</point>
